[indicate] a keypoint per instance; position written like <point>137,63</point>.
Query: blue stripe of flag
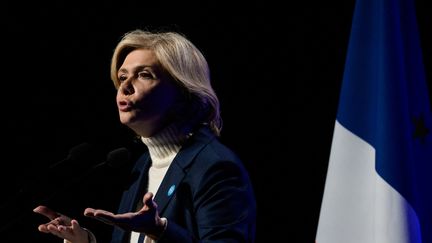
<point>384,99</point>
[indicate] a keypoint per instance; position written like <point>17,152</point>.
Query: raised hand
<point>62,226</point>
<point>146,220</point>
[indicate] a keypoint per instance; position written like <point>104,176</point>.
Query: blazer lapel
<point>139,178</point>
<point>137,181</point>
<point>178,168</point>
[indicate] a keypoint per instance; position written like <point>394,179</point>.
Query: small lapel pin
<point>171,190</point>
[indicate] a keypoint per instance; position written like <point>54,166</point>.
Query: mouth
<point>124,106</point>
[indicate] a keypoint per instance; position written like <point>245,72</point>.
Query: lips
<point>125,105</point>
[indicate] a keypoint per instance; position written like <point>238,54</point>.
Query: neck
<point>148,128</point>
<point>165,144</point>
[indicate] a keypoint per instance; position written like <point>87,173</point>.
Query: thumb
<point>75,224</point>
<point>148,200</point>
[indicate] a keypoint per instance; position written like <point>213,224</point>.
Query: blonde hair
<point>184,62</point>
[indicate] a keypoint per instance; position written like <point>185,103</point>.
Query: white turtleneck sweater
<point>163,147</point>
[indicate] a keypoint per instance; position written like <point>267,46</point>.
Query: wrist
<point>90,236</point>
<point>160,228</point>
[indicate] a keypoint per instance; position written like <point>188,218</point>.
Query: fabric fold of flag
<point>378,187</point>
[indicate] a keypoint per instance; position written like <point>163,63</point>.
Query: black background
<point>277,68</point>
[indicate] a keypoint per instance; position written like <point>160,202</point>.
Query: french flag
<point>378,187</point>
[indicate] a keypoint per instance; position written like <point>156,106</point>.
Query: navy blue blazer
<point>206,194</point>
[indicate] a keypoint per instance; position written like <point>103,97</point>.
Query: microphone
<point>76,153</point>
<point>115,161</point>
<point>32,184</point>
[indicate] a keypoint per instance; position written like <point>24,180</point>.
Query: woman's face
<point>146,93</point>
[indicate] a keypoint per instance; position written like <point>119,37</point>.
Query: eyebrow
<point>140,67</point>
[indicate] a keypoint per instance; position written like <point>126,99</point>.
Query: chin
<point>125,119</point>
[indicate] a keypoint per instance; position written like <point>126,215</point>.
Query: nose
<point>126,87</point>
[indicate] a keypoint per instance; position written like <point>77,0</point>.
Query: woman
<point>191,187</point>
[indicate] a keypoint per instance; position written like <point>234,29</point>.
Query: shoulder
<point>212,150</point>
<point>215,158</point>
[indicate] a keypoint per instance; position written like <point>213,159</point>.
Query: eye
<point>122,78</point>
<point>145,75</point>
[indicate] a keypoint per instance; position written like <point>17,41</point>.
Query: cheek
<point>168,98</point>
<point>161,97</point>
<point>117,95</point>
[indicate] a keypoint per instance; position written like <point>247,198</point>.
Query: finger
<point>75,225</point>
<point>57,231</point>
<point>148,196</point>
<point>148,200</point>
<point>97,212</point>
<point>62,228</point>
<point>53,229</point>
<point>89,212</point>
<point>101,215</point>
<point>47,212</point>
<point>73,231</point>
<point>68,231</point>
<point>43,228</point>
<point>62,220</point>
